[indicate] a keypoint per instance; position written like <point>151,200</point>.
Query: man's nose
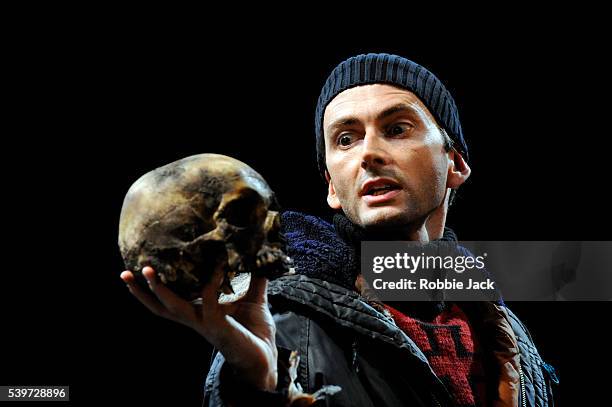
<point>374,153</point>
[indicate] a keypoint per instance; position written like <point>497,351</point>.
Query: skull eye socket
<point>167,255</point>
<point>242,211</point>
<point>189,231</point>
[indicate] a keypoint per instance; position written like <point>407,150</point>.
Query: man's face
<point>385,156</point>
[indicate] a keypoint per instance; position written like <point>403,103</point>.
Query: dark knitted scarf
<point>332,253</point>
<point>317,250</point>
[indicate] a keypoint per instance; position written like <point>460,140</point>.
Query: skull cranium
<point>198,215</point>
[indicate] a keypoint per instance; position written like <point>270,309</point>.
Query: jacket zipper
<point>523,393</point>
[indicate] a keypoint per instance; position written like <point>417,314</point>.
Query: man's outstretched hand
<point>243,331</point>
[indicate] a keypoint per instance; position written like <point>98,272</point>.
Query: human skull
<point>198,215</point>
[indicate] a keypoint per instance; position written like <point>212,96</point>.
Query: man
<point>391,148</point>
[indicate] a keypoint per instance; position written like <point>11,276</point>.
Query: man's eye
<point>345,140</point>
<point>398,129</point>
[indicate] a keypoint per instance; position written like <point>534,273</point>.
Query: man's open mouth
<point>380,190</point>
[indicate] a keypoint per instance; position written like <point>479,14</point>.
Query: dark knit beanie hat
<point>393,70</point>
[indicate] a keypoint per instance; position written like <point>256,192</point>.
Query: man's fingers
<point>210,291</point>
<point>257,290</point>
<point>145,298</point>
<point>180,309</point>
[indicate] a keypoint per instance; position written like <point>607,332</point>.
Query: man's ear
<point>332,198</point>
<point>458,170</point>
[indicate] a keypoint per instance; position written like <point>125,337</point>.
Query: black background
<point>93,109</point>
